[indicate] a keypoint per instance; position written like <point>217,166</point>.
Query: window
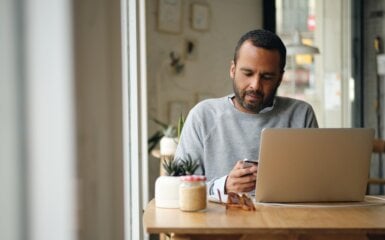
<point>324,79</point>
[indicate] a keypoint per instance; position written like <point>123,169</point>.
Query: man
<point>221,132</point>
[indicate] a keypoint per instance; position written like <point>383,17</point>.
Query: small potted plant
<point>167,138</point>
<point>167,187</point>
<point>169,142</point>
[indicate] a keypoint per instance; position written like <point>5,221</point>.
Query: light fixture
<point>297,47</point>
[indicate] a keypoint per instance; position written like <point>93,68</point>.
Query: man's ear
<point>232,69</point>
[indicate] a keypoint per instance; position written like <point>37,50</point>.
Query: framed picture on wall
<point>200,17</point>
<point>170,16</point>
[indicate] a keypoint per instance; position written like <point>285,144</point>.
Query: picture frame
<point>170,16</point>
<point>200,17</point>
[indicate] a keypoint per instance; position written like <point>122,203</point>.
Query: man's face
<point>256,77</point>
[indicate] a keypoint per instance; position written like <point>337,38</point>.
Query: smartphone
<point>249,163</point>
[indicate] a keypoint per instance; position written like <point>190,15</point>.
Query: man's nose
<point>255,83</point>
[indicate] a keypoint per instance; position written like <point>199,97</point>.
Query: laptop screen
<point>313,165</point>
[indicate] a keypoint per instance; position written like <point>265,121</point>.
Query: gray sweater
<point>218,134</point>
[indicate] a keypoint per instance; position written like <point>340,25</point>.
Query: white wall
<point>208,73</point>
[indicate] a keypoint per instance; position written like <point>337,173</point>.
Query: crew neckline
<point>264,110</point>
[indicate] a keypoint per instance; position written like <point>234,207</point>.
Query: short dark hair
<point>264,39</point>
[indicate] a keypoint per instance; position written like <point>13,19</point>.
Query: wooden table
<point>269,222</point>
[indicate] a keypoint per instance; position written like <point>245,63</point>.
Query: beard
<point>259,102</point>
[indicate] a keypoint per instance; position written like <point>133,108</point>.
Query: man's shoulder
<point>287,101</point>
<point>212,103</point>
<point>210,108</point>
<point>301,113</point>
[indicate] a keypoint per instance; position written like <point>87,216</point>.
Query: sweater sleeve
<point>216,189</point>
<point>311,120</point>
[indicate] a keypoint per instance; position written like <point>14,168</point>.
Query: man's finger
<point>241,187</point>
<point>245,179</point>
<point>242,172</point>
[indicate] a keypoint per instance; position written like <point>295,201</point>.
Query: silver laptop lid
<point>313,165</point>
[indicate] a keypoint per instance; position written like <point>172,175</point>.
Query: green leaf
<point>181,121</point>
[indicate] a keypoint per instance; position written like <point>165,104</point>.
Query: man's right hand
<point>241,178</point>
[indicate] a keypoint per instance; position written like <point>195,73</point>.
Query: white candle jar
<point>167,192</point>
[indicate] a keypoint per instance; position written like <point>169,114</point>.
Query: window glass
<point>322,79</point>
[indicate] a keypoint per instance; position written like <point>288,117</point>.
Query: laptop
<point>313,165</point>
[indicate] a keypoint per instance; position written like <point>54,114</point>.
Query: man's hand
<point>241,178</point>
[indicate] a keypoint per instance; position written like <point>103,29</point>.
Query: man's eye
<point>248,74</point>
<point>267,77</point>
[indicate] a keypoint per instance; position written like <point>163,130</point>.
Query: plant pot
<point>168,146</point>
<point>167,192</point>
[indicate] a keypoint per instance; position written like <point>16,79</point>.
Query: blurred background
<point>81,80</point>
